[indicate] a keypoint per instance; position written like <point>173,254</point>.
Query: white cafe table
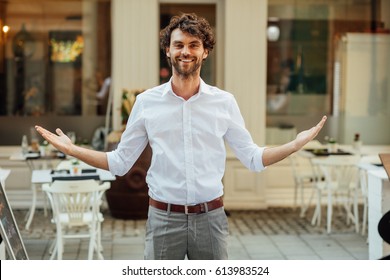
<point>43,176</point>
<point>35,161</point>
<point>366,150</point>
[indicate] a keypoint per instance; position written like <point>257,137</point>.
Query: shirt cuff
<point>258,160</point>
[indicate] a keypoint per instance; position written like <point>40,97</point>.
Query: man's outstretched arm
<point>62,142</point>
<point>274,154</point>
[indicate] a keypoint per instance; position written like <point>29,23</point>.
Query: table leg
<point>329,212</point>
<point>33,205</point>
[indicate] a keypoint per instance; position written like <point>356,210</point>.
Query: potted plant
<point>332,145</point>
<point>75,167</point>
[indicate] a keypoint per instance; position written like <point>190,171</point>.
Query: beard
<point>186,72</point>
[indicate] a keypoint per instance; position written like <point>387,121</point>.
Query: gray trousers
<point>173,236</point>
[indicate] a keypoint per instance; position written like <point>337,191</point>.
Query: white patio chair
<point>76,204</point>
<point>364,191</point>
<point>365,164</point>
<point>304,179</point>
<point>340,186</point>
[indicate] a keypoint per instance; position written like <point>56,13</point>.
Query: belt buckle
<point>186,209</point>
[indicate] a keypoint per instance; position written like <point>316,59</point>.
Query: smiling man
<point>186,122</point>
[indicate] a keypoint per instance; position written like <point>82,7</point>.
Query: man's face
<point>186,54</point>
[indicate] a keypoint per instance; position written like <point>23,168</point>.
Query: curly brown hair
<point>191,24</point>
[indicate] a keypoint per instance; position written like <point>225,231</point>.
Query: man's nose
<point>185,50</point>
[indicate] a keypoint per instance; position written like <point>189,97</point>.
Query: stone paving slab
<point>274,233</point>
<point>272,221</point>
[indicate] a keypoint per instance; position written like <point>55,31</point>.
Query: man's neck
<point>185,87</point>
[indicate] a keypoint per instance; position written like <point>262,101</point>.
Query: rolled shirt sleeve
<point>241,142</point>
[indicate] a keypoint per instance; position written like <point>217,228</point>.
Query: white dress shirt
<point>188,143</point>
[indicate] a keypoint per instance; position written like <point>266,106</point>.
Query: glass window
<point>55,57</point>
<point>300,59</point>
<point>328,57</point>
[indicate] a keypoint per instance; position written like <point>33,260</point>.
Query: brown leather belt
<point>188,209</point>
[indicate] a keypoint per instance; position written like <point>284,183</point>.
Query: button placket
<point>188,151</point>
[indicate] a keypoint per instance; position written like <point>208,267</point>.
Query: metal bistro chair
<point>340,186</point>
<point>76,204</point>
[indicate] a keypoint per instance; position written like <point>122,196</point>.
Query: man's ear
<point>205,54</point>
<point>167,52</point>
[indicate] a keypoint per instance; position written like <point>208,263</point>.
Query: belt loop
<point>206,207</point>
<point>168,209</point>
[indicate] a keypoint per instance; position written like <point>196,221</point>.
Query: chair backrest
<point>342,170</point>
<point>313,144</point>
<point>75,198</point>
<point>300,166</point>
<point>363,182</point>
<point>294,165</point>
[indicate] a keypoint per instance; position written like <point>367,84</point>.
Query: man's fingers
<point>59,132</point>
<point>38,128</point>
<point>45,133</point>
<point>319,126</point>
<point>41,130</point>
<point>322,121</point>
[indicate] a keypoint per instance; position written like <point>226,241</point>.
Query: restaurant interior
<point>79,65</point>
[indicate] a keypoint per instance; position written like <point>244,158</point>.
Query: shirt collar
<point>203,88</point>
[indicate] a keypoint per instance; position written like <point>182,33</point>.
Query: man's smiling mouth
<point>186,60</point>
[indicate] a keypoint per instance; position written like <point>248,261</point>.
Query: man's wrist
<point>72,150</point>
<point>294,146</point>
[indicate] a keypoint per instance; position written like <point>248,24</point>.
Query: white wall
<point>245,49</point>
<point>135,48</point>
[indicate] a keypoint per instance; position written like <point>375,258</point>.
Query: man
<point>186,123</point>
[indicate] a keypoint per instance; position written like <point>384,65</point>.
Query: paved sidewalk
<point>272,234</point>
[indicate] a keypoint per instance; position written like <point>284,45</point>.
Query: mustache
<point>186,57</point>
